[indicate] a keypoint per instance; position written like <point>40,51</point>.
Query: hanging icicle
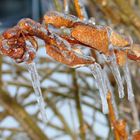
<point>36,85</point>
<point>110,90</point>
<point>96,71</point>
<point>115,70</point>
<point>128,82</point>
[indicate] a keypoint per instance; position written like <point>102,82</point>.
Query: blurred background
<point>70,95</point>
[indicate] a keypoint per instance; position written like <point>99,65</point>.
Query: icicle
<point>109,87</point>
<point>115,70</point>
<point>96,70</point>
<point>128,82</point>
<point>36,85</point>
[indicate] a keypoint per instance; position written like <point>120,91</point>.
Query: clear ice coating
<point>36,85</point>
<point>128,82</point>
<point>115,70</point>
<point>96,71</point>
